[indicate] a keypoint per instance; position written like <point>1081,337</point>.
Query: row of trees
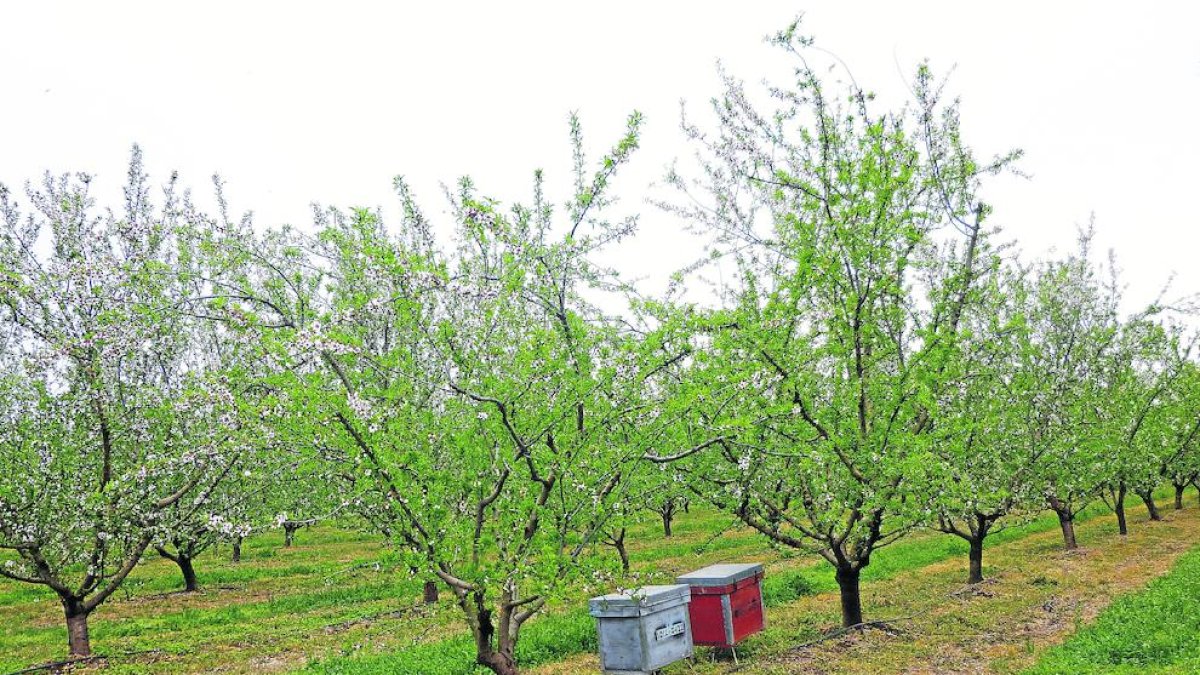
<point>875,361</point>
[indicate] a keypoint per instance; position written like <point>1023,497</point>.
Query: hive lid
<point>719,575</point>
<point>639,601</point>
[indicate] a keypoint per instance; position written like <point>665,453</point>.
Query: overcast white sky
<point>298,102</point>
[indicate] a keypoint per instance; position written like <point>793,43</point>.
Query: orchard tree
<point>481,391</point>
<point>655,489</point>
<point>246,501</point>
<point>193,528</point>
<point>225,513</point>
<point>667,499</point>
<point>984,459</point>
<point>857,241</point>
<point>1182,464</point>
<point>1144,370</point>
<point>1074,327</point>
<point>310,491</point>
<point>112,418</point>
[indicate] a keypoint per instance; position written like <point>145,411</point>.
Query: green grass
<point>276,600</point>
<point>557,636</point>
<point>1154,631</point>
<point>541,642</point>
<point>327,605</point>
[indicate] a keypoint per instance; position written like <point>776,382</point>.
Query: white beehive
<point>644,629</point>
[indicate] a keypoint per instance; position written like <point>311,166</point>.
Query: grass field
<point>329,605</point>
<point>1154,631</point>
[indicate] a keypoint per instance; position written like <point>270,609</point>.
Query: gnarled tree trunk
<point>237,550</point>
<point>973,530</point>
<point>1179,495</point>
<point>1067,522</point>
<point>430,593</point>
<point>496,640</point>
<point>189,573</point>
<point>975,556</point>
<point>498,662</point>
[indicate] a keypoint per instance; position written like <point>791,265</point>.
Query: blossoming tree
<point>112,418</point>
<point>482,392</point>
<point>854,241</point>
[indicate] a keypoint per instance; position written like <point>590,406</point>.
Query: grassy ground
<point>328,604</point>
<point>279,608</point>
<point>254,615</point>
<point>1154,631</point>
<point>1035,597</point>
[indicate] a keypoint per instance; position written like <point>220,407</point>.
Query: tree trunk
<point>499,656</point>
<point>1066,520</point>
<point>1179,496</point>
<point>189,573</point>
<point>667,516</point>
<point>1148,500</point>
<point>430,594</point>
<point>618,542</point>
<point>976,557</point>
<point>1119,509</point>
<point>847,579</point>
<point>184,561</point>
<point>289,533</point>
<point>498,662</point>
<point>237,550</point>
<point>77,628</point>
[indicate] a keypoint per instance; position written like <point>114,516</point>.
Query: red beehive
<point>726,603</point>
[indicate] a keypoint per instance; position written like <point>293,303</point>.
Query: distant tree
<point>225,512</point>
<point>984,462</point>
<point>668,501</point>
<point>653,492</point>
<point>310,493</point>
<point>1074,327</point>
<point>1182,462</point>
<point>1143,372</point>
<point>195,528</point>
